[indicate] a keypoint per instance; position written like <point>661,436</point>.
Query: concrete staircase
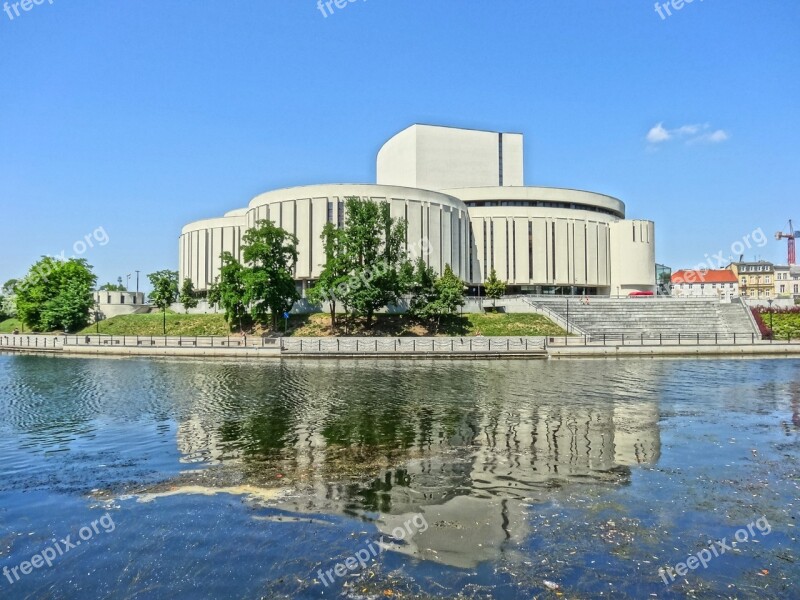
<point>650,316</point>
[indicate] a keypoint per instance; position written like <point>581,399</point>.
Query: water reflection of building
<point>471,468</point>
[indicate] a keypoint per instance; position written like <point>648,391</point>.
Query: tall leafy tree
<point>270,254</point>
<point>230,290</point>
<point>449,295</point>
<point>494,287</point>
<point>165,291</point>
<point>335,271</point>
<point>213,295</point>
<point>8,299</point>
<point>56,294</point>
<point>374,243</point>
<point>423,290</point>
<point>187,295</point>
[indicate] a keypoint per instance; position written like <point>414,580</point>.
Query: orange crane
<point>791,236</point>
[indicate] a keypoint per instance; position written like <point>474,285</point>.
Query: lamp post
<point>137,281</point>
<point>770,319</point>
<point>567,315</point>
<point>97,315</point>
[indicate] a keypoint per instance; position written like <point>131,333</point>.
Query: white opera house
<point>463,196</point>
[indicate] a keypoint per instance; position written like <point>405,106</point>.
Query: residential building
<point>722,284</point>
<point>756,279</point>
<point>787,282</point>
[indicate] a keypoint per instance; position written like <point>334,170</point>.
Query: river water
<point>376,479</point>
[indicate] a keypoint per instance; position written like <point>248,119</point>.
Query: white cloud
<point>691,134</point>
<point>658,134</point>
<point>718,136</point>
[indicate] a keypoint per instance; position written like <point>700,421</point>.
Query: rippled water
<point>589,475</point>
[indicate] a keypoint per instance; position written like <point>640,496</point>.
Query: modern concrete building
<point>462,194</point>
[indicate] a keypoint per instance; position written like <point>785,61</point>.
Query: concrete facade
<point>112,304</point>
<point>462,194</point>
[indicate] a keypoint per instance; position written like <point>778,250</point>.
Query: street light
<point>97,315</point>
<point>770,319</point>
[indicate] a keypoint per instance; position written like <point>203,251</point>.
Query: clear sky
<point>139,117</point>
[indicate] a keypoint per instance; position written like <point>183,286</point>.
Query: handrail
<point>556,317</point>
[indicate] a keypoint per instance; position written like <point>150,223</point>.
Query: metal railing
<point>55,342</point>
<point>422,345</point>
<point>667,339</point>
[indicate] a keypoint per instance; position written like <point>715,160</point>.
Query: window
<point>330,211</point>
<point>768,279</point>
<point>491,237</point>
<point>530,250</point>
<point>340,215</point>
<point>485,251</point>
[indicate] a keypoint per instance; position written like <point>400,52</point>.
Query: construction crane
<point>791,236</point>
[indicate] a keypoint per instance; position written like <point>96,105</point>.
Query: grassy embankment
<point>9,325</point>
<point>319,325</point>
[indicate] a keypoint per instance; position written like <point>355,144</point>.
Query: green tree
<point>335,271</point>
<point>230,290</point>
<point>8,300</point>
<point>165,291</point>
<point>449,295</point>
<point>423,291</point>
<point>494,287</point>
<point>56,294</point>
<point>8,287</point>
<point>374,245</point>
<point>213,295</point>
<point>112,287</point>
<point>270,254</point>
<point>187,295</point>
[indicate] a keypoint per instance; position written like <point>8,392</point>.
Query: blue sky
<point>138,117</point>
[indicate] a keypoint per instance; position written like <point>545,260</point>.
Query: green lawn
<point>152,324</point>
<point>784,324</point>
<point>495,324</point>
<point>9,325</point>
<point>492,324</point>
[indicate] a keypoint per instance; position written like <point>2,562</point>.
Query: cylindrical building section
<point>633,254</point>
<point>202,243</point>
<point>438,228</point>
<point>541,240</point>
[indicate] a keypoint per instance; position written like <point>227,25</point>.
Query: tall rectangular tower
<point>438,158</point>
